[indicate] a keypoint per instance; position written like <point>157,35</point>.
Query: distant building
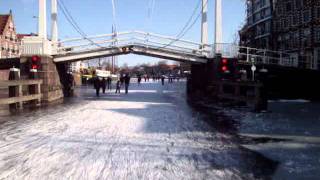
<point>257,31</point>
<point>76,66</point>
<point>9,43</point>
<point>297,30</point>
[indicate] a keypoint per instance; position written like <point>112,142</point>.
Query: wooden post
<point>39,92</point>
<point>261,99</point>
<point>20,95</point>
<point>34,88</point>
<point>14,91</point>
<point>237,90</point>
<point>220,85</point>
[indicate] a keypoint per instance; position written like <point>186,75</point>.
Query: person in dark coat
<point>118,86</point>
<point>162,80</point>
<point>139,80</point>
<point>103,85</point>
<point>126,82</point>
<point>109,82</point>
<point>122,79</point>
<point>97,84</point>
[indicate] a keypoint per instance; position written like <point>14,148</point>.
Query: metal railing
<point>263,56</point>
<point>155,41</point>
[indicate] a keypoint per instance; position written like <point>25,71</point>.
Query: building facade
<point>297,30</point>
<point>258,26</point>
<point>9,42</point>
<point>289,26</point>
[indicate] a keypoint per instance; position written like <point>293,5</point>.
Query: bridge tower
<point>204,25</point>
<point>218,26</point>
<point>204,74</point>
<point>42,24</point>
<point>54,26</point>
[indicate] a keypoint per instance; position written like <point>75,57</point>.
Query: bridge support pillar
<point>51,88</point>
<point>202,75</point>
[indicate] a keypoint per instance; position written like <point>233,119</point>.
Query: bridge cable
<point>73,23</point>
<point>151,7</point>
<point>185,29</point>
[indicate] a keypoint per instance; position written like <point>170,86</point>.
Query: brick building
<point>297,30</point>
<point>9,42</point>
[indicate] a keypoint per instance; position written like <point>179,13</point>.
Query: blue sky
<point>95,17</point>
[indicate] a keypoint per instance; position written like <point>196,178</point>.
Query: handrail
<point>20,82</point>
<point>94,37</point>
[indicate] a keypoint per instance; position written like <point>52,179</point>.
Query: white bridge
<point>136,42</point>
<point>149,44</point>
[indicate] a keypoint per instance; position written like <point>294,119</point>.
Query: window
<point>306,32</point>
<point>306,16</point>
<point>262,14</point>
<point>288,7</point>
<point>317,34</point>
<point>294,20</point>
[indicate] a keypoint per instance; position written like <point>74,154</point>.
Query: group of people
<point>102,84</point>
<point>145,77</point>
<point>123,80</point>
<point>107,84</point>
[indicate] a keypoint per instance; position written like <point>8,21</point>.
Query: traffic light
<point>35,62</point>
<point>227,67</point>
<point>224,65</point>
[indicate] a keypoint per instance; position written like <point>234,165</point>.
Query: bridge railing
<point>156,41</point>
<point>263,56</point>
<point>131,38</point>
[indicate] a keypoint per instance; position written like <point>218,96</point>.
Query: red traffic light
<point>35,58</point>
<point>224,68</point>
<point>224,61</point>
<point>35,62</point>
<point>34,66</point>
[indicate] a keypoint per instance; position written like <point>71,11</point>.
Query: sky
<point>95,17</point>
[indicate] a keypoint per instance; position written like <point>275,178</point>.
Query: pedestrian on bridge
<point>126,82</point>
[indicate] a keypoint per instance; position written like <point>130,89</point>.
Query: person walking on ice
<point>118,86</point>
<point>126,82</point>
<point>104,85</point>
<point>97,85</point>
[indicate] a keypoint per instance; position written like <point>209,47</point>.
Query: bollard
<point>14,91</point>
<point>33,89</point>
<point>262,105</point>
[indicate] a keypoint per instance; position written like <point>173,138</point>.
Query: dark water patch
<point>259,140</point>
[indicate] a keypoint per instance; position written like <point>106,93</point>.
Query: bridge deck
<point>134,49</point>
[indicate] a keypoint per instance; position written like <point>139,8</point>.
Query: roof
<point>20,36</point>
<point>3,21</point>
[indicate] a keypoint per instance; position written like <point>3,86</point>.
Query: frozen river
<point>151,133</point>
